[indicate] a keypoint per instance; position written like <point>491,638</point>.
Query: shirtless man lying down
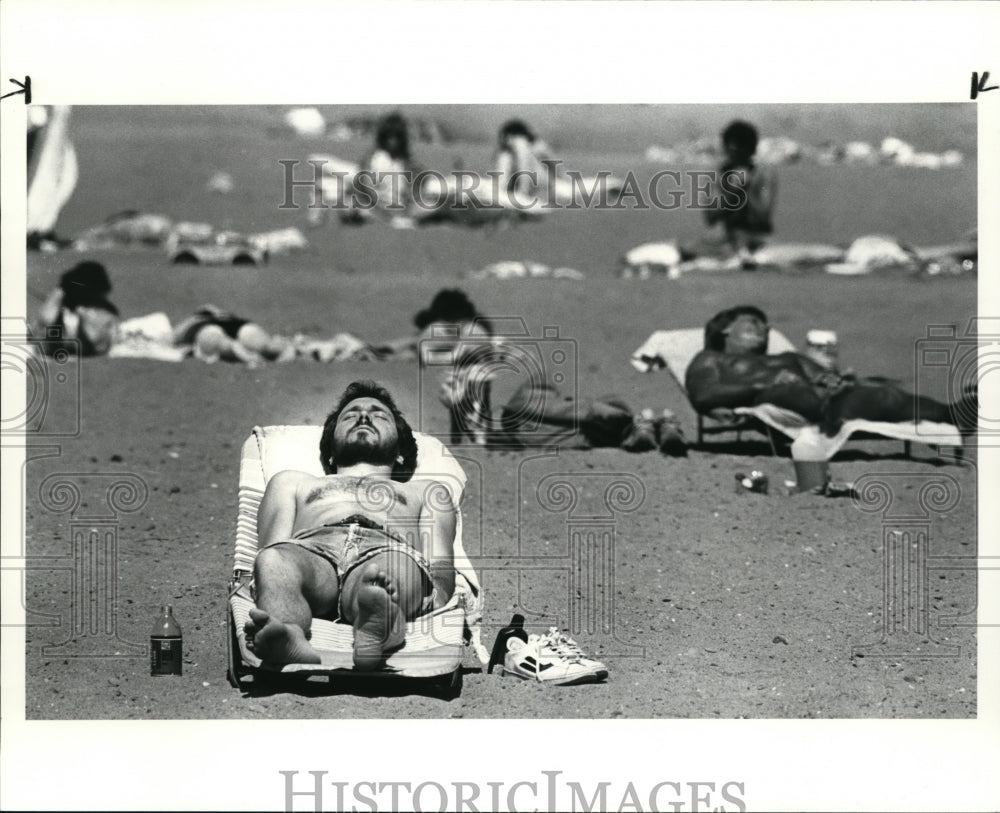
<point>366,543</point>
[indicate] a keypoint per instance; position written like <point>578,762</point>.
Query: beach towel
<point>147,337</point>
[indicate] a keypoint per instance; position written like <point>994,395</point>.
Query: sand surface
<point>722,604</point>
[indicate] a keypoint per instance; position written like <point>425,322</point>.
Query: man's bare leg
<point>889,403</point>
<point>211,344</point>
<point>800,398</point>
<point>292,586</point>
<point>379,597</point>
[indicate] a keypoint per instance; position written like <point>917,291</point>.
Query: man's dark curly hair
<point>406,443</point>
<point>715,329</point>
<point>742,133</point>
<point>516,127</point>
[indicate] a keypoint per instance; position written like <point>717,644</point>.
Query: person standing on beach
<point>744,193</point>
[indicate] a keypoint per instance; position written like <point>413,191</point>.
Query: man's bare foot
<point>379,626</point>
<point>272,641</point>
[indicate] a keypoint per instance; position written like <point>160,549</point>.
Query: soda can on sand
<point>756,483</point>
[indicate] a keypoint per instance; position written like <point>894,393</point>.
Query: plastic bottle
<point>165,644</point>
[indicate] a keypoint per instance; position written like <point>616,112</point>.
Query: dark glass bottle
<point>515,629</point>
<point>165,645</point>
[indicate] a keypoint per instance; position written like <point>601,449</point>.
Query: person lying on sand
<point>745,192</point>
<point>734,370</point>
<point>214,334</point>
<point>365,543</point>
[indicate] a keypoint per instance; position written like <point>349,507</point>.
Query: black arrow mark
<point>979,83</point>
<point>25,89</point>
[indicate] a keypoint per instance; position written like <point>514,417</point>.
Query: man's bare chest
<point>366,493</point>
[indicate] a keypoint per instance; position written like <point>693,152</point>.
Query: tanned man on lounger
<point>734,370</point>
<point>366,542</point>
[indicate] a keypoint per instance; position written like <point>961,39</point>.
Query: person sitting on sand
<point>734,370</point>
<point>520,159</point>
<point>366,542</point>
<point>78,317</point>
<point>384,183</point>
<point>744,193</point>
<point>457,338</point>
<point>214,334</point>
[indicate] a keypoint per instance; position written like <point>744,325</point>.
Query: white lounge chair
<point>435,643</point>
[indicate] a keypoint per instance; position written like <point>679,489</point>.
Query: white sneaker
<point>552,658</point>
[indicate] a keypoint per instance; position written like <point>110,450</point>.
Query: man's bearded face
<point>365,433</point>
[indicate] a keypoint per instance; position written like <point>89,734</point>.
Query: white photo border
<point>675,52</point>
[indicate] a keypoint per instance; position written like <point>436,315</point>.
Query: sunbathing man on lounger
<point>734,370</point>
<point>365,543</point>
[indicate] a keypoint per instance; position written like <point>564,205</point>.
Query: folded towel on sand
<point>147,337</point>
<point>808,443</point>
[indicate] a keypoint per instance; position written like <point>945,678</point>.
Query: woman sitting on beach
<point>521,161</point>
<point>384,183</point>
<point>77,317</point>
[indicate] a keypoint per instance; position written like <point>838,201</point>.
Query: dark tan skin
<point>744,376</point>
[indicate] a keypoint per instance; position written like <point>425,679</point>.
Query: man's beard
<point>364,450</point>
